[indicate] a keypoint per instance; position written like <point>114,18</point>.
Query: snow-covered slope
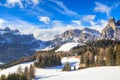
<point>68,46</point>
<point>14,68</point>
<point>72,60</point>
<point>98,73</point>
<point>55,73</point>
<point>46,49</point>
<point>1,63</point>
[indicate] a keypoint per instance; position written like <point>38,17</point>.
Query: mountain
<point>112,30</point>
<point>75,35</point>
<point>88,34</point>
<point>14,45</point>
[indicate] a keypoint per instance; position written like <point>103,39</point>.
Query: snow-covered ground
<point>55,73</point>
<point>46,49</point>
<point>68,46</point>
<point>98,73</point>
<point>1,63</point>
<point>14,68</point>
<point>73,61</point>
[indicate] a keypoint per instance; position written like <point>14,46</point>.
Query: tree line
<point>26,74</point>
<point>108,56</point>
<point>47,59</point>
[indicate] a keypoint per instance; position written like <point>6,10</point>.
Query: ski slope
<point>98,73</point>
<point>68,46</point>
<point>55,73</point>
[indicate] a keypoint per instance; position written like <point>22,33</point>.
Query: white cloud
<point>78,22</point>
<point>44,19</point>
<point>1,22</point>
<point>88,17</point>
<point>102,8</point>
<point>39,33</point>
<point>35,2</point>
<point>99,25</point>
<point>13,3</point>
<point>31,2</point>
<point>57,27</point>
<point>115,5</point>
<point>64,9</point>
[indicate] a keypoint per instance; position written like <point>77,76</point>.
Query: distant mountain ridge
<point>14,45</point>
<point>110,32</point>
<point>75,35</point>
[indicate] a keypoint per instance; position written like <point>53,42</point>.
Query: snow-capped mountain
<point>112,30</point>
<point>14,45</point>
<point>75,35</point>
<point>88,34</point>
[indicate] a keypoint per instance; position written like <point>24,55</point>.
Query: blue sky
<point>46,18</point>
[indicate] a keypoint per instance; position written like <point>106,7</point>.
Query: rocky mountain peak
<point>112,30</point>
<point>112,19</point>
<point>71,32</point>
<point>89,30</point>
<point>7,29</point>
<point>75,35</point>
<point>118,23</point>
<point>111,23</point>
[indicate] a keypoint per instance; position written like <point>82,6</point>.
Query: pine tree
<point>110,61</point>
<point>13,76</point>
<point>31,72</point>
<point>81,60</point>
<point>117,53</point>
<point>20,70</point>
<point>22,77</point>
<point>26,73</point>
<point>3,77</point>
<point>101,55</point>
<point>74,68</point>
<point>67,67</point>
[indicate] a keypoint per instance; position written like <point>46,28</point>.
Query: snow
<point>98,73</point>
<point>68,46</point>
<point>47,49</point>
<point>14,68</point>
<point>93,33</point>
<point>55,73</point>
<point>1,63</point>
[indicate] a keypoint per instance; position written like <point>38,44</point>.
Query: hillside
<point>68,46</point>
<point>55,73</point>
<point>14,45</point>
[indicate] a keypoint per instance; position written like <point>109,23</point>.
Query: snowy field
<point>55,73</point>
<point>69,46</point>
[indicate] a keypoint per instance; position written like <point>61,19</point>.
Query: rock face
<point>88,34</point>
<point>14,45</point>
<point>112,30</point>
<point>75,35</point>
